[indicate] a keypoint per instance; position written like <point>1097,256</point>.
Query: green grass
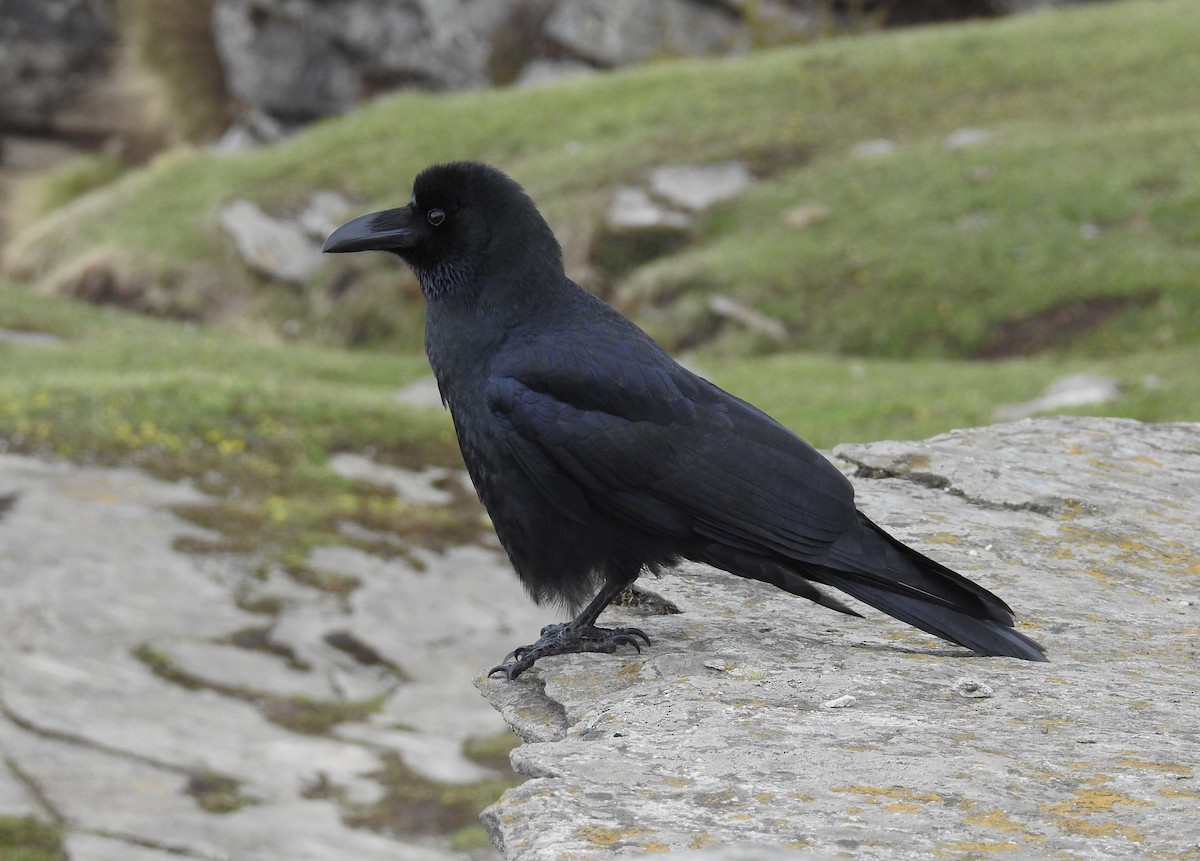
<point>253,423</point>
<point>831,400</point>
<point>1089,188</point>
<point>25,839</point>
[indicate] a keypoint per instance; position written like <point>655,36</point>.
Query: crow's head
<point>466,222</point>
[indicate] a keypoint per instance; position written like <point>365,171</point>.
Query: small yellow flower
<point>231,446</point>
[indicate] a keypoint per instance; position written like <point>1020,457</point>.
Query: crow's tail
<point>875,568</point>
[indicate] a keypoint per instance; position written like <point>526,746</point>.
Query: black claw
<point>561,638</point>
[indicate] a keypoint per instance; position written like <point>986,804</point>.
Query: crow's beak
<point>391,228</point>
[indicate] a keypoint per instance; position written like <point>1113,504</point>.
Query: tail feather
<point>872,566</point>
<point>983,636</point>
<point>877,569</point>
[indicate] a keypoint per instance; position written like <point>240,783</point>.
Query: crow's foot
<point>563,638</point>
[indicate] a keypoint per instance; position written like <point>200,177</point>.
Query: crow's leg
<point>578,635</point>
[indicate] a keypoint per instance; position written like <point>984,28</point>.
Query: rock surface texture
<point>50,51</point>
<point>758,719</point>
<point>135,683</point>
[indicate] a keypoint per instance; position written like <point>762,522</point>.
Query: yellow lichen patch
<point>764,797</point>
<point>898,793</point>
<point>629,671</point>
<point>1094,801</point>
<point>701,840</point>
<point>678,781</point>
<point>1172,792</point>
<point>1102,575</point>
<point>909,462</point>
<point>602,835</point>
<point>1107,828</point>
<point>942,538</point>
<point>1141,458</point>
<point>1072,508</point>
<point>1076,448</point>
<point>1169,767</point>
<point>997,819</point>
<point>903,807</point>
<point>655,846</point>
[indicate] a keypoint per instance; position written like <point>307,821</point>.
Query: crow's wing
<point>645,441</point>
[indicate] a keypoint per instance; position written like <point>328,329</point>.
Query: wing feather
<point>669,452</point>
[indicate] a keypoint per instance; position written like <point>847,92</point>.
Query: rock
<point>873,148</point>
<point>325,211</point>
<point>743,315</point>
<point>50,52</point>
<point>1088,527</point>
<point>95,597</point>
<point>751,852</point>
<point>697,187</point>
<point>806,215</point>
<point>20,336</point>
<point>636,230</point>
<point>538,71</point>
<point>968,137</point>
<point>418,487</point>
<point>275,247</point>
<point>422,393</point>
<point>305,58</point>
<point>620,32</point>
<point>253,128</point>
<point>642,224</point>
<point>94,847</point>
<point>633,209</point>
<point>1075,390</point>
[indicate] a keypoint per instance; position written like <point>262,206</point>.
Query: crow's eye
<point>435,216</point>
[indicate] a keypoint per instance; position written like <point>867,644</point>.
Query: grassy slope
<point>1096,127</point>
<point>1090,188</point>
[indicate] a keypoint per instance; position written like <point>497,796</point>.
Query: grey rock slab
<point>221,665</point>
<point>15,797</point>
<point>439,621</point>
<point>115,705</point>
<point>744,315</point>
<point>306,58</point>
<point>89,576</point>
<point>50,52</point>
<point>619,32</point>
<point>415,486</point>
<point>632,208</point>
<point>873,148</point>
<point>968,137</point>
<point>699,186</point>
<point>1073,390</point>
<point>539,72</point>
<point>36,339</point>
<point>434,755</point>
<point>276,247</point>
<point>82,846</point>
<point>722,732</point>
<point>98,792</point>
<point>745,852</point>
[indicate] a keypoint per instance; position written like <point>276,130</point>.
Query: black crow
<point>599,457</point>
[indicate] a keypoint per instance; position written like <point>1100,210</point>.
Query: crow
<point>599,457</point>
